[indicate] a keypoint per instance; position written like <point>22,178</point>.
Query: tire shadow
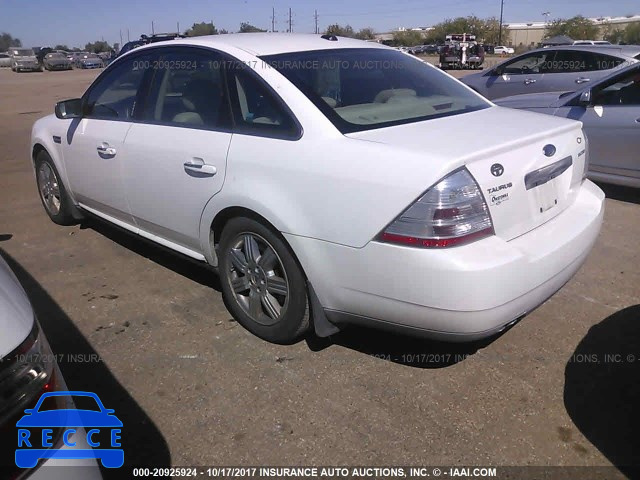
<point>602,388</point>
<point>142,442</point>
<point>192,269</point>
<point>623,194</point>
<point>406,350</point>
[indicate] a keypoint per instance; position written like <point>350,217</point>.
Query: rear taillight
<point>452,212</point>
<point>25,374</point>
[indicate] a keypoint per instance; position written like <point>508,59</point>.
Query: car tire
<point>263,285</point>
<point>52,193</point>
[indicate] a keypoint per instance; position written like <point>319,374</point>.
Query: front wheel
<point>52,192</point>
<point>262,283</point>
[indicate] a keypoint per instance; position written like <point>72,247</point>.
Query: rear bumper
<point>458,294</point>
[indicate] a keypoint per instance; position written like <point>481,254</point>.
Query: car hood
<point>534,100</point>
<point>31,58</point>
<point>16,314</point>
<point>57,60</point>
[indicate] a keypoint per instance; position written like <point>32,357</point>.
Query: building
<point>531,33</point>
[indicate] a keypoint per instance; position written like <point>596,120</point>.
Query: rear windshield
<point>365,88</point>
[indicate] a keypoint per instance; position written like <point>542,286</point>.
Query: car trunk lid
<point>528,166</point>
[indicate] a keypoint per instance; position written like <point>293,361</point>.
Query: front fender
<point>42,136</point>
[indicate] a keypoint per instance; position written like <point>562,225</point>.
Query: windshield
<point>55,55</point>
<point>22,52</point>
<point>365,88</point>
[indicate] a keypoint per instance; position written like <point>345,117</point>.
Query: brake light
<point>451,213</point>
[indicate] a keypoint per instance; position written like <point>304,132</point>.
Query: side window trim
<point>235,65</point>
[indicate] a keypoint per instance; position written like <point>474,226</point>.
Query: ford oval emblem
<point>549,150</point>
<point>497,169</point>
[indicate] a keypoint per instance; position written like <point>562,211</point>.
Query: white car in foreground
<point>327,177</point>
<point>28,368</point>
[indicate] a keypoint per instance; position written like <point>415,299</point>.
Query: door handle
<point>529,81</point>
<point>198,166</point>
<point>106,150</point>
<point>582,80</point>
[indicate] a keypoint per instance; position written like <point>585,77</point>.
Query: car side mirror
<point>585,98</point>
<point>69,109</point>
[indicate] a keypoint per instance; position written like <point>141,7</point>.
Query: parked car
<point>24,59</point>
<point>610,112</point>
<point>28,369</point>
<point>502,50</point>
<point>56,61</point>
<point>553,69</point>
<point>5,60</point>
<point>90,60</point>
<point>342,191</point>
<point>591,42</point>
<point>146,39</point>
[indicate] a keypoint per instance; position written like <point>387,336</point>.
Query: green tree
<point>632,33</point>
<point>340,31</point>
<point>7,41</point>
<point>613,35</point>
<point>61,47</point>
<point>248,28</point>
<point>578,28</point>
<point>365,34</point>
<point>407,38</point>
<point>200,29</point>
<point>98,47</point>
<point>485,30</point>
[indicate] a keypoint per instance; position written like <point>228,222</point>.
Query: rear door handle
<point>529,81</point>
<point>105,150</point>
<point>582,80</point>
<point>197,165</point>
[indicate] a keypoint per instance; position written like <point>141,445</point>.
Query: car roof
<point>621,50</point>
<point>259,44</point>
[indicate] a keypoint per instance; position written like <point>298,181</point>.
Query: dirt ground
<point>149,333</point>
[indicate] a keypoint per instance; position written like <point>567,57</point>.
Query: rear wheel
<point>262,283</point>
<point>52,192</point>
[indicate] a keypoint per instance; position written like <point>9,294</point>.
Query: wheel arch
<point>221,218</point>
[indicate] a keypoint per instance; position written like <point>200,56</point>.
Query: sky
<point>75,22</point>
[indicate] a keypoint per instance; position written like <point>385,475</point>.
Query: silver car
<point>28,369</point>
<point>5,60</point>
<point>24,59</point>
<point>553,69</point>
<point>610,112</point>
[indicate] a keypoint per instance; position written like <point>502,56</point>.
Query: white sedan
<point>502,50</point>
<point>331,181</point>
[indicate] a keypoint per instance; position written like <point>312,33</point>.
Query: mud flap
<point>321,324</point>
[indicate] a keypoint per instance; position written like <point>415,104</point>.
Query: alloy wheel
<point>49,188</point>
<point>258,279</point>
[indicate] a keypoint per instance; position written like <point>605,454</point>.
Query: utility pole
<point>290,30</point>
<point>500,29</point>
<point>128,40</point>
<point>120,37</point>
<point>273,19</point>
<point>178,23</point>
<point>152,28</point>
<point>315,17</point>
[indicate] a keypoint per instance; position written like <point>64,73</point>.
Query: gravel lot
<point>194,388</point>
